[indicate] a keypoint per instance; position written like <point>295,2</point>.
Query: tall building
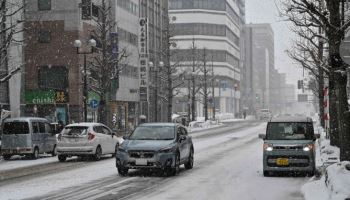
<point>156,14</point>
<point>259,65</point>
<point>54,81</point>
<point>216,27</point>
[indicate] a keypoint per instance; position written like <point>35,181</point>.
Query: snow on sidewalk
<point>334,185</point>
<point>335,181</point>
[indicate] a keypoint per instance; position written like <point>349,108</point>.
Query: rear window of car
<point>15,128</point>
<point>290,131</point>
<point>75,130</point>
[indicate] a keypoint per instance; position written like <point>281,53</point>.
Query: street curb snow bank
<point>335,181</point>
<point>334,185</point>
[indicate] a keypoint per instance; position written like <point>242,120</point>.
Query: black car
<point>162,146</point>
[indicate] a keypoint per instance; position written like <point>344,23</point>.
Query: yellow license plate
<point>282,161</point>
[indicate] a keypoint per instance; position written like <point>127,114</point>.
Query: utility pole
<point>212,86</point>
<point>205,85</point>
<point>193,102</point>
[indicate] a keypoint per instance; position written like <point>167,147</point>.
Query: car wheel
<point>35,154</point>
<point>267,173</point>
<point>62,158</point>
<point>54,151</point>
<point>6,157</point>
<point>189,164</point>
<point>310,173</point>
<point>115,150</point>
<point>122,171</point>
<point>176,169</point>
<point>98,153</point>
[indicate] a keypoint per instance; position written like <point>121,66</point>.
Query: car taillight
<point>91,136</point>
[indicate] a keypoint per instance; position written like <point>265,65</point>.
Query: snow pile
<point>334,185</point>
<point>201,125</point>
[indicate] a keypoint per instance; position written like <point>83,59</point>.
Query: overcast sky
<point>265,11</point>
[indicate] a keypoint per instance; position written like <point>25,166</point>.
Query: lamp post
<point>235,99</point>
<point>91,44</point>
<point>155,70</point>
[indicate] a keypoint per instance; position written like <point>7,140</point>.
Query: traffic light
<point>257,97</point>
<point>300,84</point>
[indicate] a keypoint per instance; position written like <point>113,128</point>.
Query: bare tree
<point>108,60</point>
<point>8,29</point>
<point>327,14</point>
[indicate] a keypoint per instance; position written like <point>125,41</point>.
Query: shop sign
<point>45,97</point>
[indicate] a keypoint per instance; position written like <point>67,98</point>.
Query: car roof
<point>160,124</point>
<point>25,119</point>
<point>291,119</point>
<point>86,124</point>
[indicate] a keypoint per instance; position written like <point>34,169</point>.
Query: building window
<point>44,37</point>
<point>44,4</point>
<point>86,9</point>
<point>54,77</point>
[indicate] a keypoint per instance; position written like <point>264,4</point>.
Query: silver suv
<point>162,146</point>
<point>289,145</point>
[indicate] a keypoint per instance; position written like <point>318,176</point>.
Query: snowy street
<point>228,165</point>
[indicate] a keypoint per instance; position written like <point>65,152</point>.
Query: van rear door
<point>16,134</point>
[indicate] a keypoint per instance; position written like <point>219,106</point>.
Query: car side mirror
<point>262,136</point>
<point>125,137</point>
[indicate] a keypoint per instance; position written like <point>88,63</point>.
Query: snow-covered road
<point>227,166</point>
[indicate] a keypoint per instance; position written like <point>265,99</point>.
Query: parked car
<point>289,145</point>
<point>264,114</point>
<point>87,139</point>
<point>161,146</point>
<point>27,136</point>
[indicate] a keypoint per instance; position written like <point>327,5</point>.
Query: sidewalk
<point>334,183</point>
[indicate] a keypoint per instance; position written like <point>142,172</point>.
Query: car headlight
<point>167,150</point>
<point>308,147</point>
<point>268,147</point>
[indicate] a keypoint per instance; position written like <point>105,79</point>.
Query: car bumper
<point>75,151</point>
<point>158,161</point>
<point>17,151</point>
<point>297,162</point>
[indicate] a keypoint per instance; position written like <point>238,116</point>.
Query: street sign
<point>93,103</point>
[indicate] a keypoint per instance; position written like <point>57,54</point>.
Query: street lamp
<point>92,45</point>
<point>155,70</point>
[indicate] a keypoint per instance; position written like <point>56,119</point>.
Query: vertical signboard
<point>143,49</point>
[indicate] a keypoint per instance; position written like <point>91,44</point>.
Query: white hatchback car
<point>87,139</point>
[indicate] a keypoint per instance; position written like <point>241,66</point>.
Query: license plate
<point>141,161</point>
<point>282,161</point>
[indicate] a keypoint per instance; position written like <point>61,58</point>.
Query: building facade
<point>156,14</point>
<point>11,57</point>
<point>259,65</point>
<point>54,81</point>
<point>216,27</point>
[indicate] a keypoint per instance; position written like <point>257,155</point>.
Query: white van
<point>27,136</point>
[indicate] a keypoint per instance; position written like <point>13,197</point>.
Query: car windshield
<point>75,130</point>
<point>16,128</point>
<point>153,133</point>
<point>289,131</point>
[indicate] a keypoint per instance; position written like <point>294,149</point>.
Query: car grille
<point>141,154</point>
<point>288,147</point>
<point>295,161</point>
